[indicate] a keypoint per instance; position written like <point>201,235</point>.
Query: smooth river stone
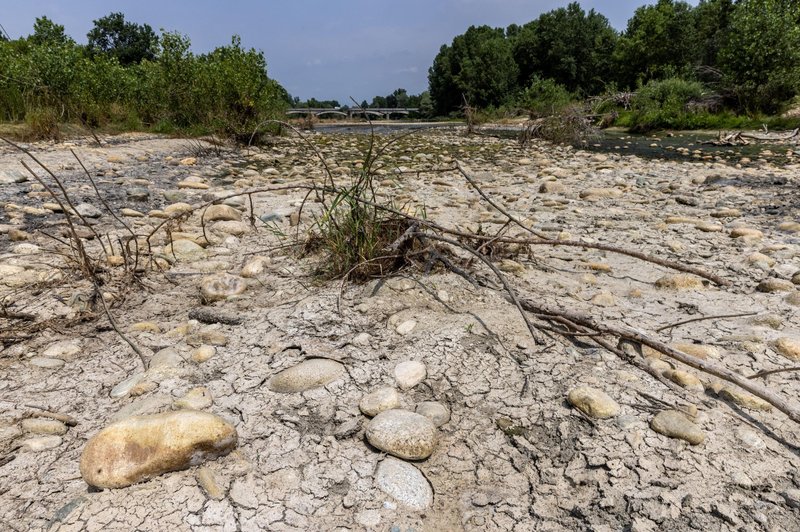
<point>183,249</point>
<point>773,285</point>
<point>254,267</point>
<point>404,483</point>
<point>308,374</point>
<point>436,412</point>
<point>403,434</point>
<point>221,212</point>
<point>674,424</point>
<point>37,425</point>
<point>788,347</point>
<point>744,399</point>
<point>379,401</point>
<point>679,281</point>
<point>142,447</point>
<point>409,373</point>
<point>593,402</point>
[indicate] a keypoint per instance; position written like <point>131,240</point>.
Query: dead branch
<point>720,316</point>
<point>631,334</point>
<point>494,204</point>
<point>765,373</point>
<point>537,337</point>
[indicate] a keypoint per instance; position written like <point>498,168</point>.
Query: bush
<point>545,97</point>
<point>44,81</point>
<point>664,104</point>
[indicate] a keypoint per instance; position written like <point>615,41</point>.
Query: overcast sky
<point>327,49</point>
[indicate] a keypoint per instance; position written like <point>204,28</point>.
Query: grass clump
<point>42,124</point>
<point>360,234</point>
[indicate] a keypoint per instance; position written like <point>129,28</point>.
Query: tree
<point>478,66</point>
<point>399,98</point>
<point>426,104</point>
<point>760,60</point>
<point>442,86</point>
<point>567,45</point>
<point>127,41</point>
<point>712,24</point>
<point>660,41</point>
<point>47,32</point>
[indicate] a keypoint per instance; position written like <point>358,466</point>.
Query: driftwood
<point>740,138</point>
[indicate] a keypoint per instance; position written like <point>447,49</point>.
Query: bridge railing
<point>349,112</point>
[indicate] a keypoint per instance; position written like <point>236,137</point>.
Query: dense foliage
<point>129,77</point>
<point>741,55</point>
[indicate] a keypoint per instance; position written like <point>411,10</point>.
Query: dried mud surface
<point>514,455</point>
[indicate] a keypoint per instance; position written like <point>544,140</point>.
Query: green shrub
<point>545,97</point>
<point>46,81</point>
<point>665,104</point>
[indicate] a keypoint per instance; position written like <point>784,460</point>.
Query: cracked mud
<point>512,454</point>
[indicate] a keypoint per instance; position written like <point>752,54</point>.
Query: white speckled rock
<point>222,286</point>
<point>409,373</point>
<point>404,483</point>
<point>406,327</point>
<point>403,434</point>
<point>379,401</point>
<point>46,363</point>
<point>124,388</point>
<point>308,374</point>
<point>195,399</point>
<point>141,447</point>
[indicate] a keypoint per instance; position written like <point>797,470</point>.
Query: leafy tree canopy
<point>47,32</point>
<point>127,41</point>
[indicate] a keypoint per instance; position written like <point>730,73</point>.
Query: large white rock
<point>404,483</point>
<point>308,374</point>
<point>410,373</point>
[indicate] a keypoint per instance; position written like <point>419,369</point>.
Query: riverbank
<point>510,452</point>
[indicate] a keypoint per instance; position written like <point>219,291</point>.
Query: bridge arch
<point>331,112</point>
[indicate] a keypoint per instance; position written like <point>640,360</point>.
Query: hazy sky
<point>327,49</point>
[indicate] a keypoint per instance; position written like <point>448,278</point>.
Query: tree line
<point>740,55</point>
<point>128,75</point>
<point>398,99</point>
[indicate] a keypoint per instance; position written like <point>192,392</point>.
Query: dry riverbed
<point>417,402</point>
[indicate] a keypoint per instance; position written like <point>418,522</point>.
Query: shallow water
<point>669,146</point>
<point>689,145</point>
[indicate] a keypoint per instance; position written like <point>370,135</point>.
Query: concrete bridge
<point>380,112</point>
